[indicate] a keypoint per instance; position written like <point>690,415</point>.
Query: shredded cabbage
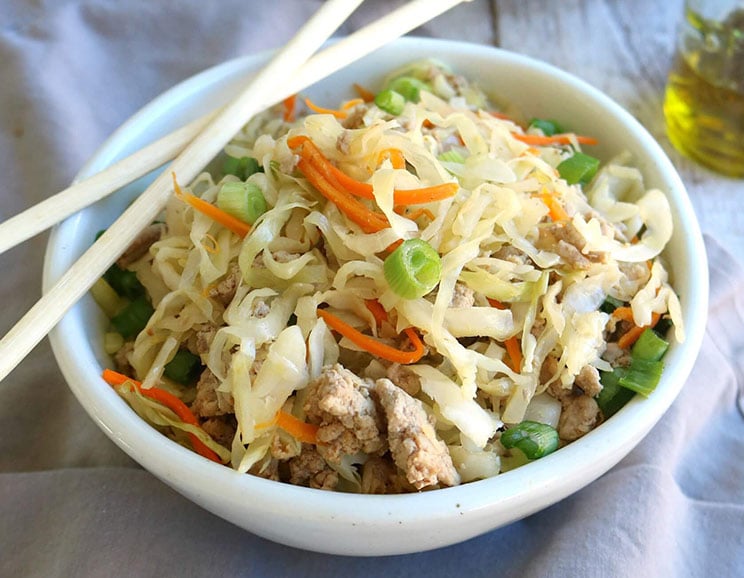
<point>516,317</point>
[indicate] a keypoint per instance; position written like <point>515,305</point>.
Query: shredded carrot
<point>171,402</point>
<point>357,188</point>
<point>628,338</point>
<point>240,228</point>
<point>373,346</point>
<point>514,350</point>
<point>369,221</point>
<point>500,115</point>
<point>413,215</point>
<point>556,212</point>
<point>496,304</point>
<point>298,429</point>
<point>289,108</point>
<point>352,103</point>
<point>320,110</point>
<point>377,310</point>
<point>563,139</point>
<point>365,94</point>
<point>397,160</point>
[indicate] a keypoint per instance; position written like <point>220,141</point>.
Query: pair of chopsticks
<point>289,71</point>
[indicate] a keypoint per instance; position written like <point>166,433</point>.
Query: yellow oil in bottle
<point>704,102</point>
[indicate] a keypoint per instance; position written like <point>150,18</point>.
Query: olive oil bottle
<point>704,101</point>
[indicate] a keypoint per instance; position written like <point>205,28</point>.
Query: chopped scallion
<point>408,86</point>
<point>390,101</point>
<point>613,396</point>
<point>451,156</point>
<point>124,282</point>
<point>578,169</point>
<point>413,269</point>
<point>649,346</point>
<point>642,376</point>
<point>547,126</point>
<point>242,167</point>
<point>244,201</point>
<point>184,368</point>
<point>533,438</point>
<point>610,304</point>
<point>133,318</point>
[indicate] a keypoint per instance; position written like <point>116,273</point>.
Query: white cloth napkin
<point>72,504</point>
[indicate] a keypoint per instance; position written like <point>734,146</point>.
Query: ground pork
<point>224,291</point>
<point>208,401</point>
<point>340,403</point>
<point>141,244</point>
<point>201,339</point>
<point>404,378</point>
<point>414,445</point>
<point>221,429</point>
<point>381,476</point>
<point>588,380</point>
<point>565,240</point>
<point>121,358</point>
<point>579,416</point>
<point>463,297</point>
<point>310,469</point>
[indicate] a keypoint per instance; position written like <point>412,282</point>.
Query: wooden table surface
<point>622,47</point>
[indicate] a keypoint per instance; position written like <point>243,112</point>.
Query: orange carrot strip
<point>352,103</point>
<point>364,190</point>
<point>624,313</point>
<point>539,140</point>
<point>413,215</point>
<point>496,304</point>
<point>500,115</point>
<point>628,338</point>
<point>373,346</point>
<point>289,108</point>
<point>240,228</point>
<point>514,350</point>
<point>298,429</point>
<point>320,110</point>
<point>366,95</point>
<point>395,155</point>
<point>369,221</point>
<point>556,212</point>
<point>377,310</point>
<point>171,402</point>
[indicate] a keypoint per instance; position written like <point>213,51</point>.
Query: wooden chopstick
<point>270,83</point>
<point>79,195</point>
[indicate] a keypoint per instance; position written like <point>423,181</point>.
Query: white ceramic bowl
<point>381,525</point>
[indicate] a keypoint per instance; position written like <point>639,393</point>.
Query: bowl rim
<point>527,489</point>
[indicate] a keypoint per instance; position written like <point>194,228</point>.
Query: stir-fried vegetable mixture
<point>409,291</point>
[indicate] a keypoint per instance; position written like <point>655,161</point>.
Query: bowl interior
<point>371,525</point>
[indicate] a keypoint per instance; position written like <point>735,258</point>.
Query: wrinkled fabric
<point>73,504</point>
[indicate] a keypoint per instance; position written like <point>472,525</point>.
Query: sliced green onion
<point>642,376</point>
<point>533,438</point>
<point>244,201</point>
<point>578,169</point>
<point>413,269</point>
<point>663,326</point>
<point>451,156</point>
<point>124,282</point>
<point>613,395</point>
<point>390,101</point>
<point>547,126</point>
<point>649,346</point>
<point>184,368</point>
<point>610,304</point>
<point>133,318</point>
<point>409,87</point>
<point>242,167</point>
